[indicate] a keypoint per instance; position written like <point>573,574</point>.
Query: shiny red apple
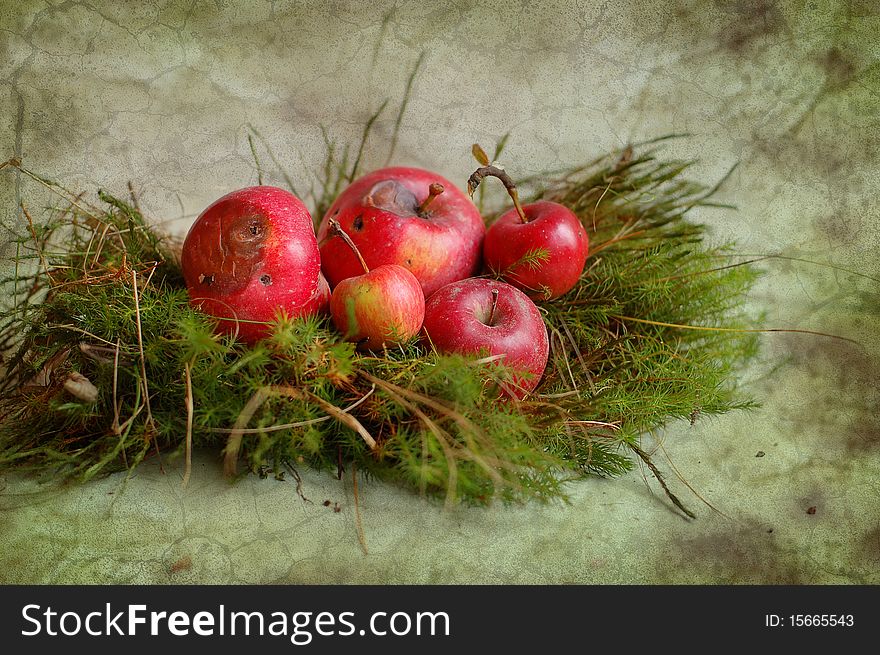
<point>406,216</point>
<point>381,307</point>
<point>482,316</point>
<point>540,248</point>
<point>251,255</point>
<point>544,255</point>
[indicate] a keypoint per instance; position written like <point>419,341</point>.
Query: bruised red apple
<point>381,307</point>
<point>485,316</point>
<point>251,255</point>
<point>406,216</point>
<point>540,248</point>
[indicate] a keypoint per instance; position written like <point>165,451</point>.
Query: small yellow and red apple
<point>381,307</point>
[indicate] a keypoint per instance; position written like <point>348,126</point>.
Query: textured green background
<point>96,93</point>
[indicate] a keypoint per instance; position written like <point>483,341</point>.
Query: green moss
<point>617,368</point>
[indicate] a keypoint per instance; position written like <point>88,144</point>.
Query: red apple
<point>478,315</point>
<point>250,255</point>
<point>380,307</point>
<point>404,216</point>
<point>540,248</point>
<point>543,255</point>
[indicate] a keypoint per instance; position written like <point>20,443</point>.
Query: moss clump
<point>98,291</point>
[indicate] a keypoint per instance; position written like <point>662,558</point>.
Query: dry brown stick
<point>134,200</point>
<point>150,276</point>
<point>54,188</point>
<point>99,250</point>
<point>556,333</point>
<point>650,464</point>
<point>741,330</point>
<point>458,417</point>
<point>345,418</point>
<point>477,177</point>
<point>448,452</point>
<point>362,538</point>
<point>468,426</point>
<point>116,429</point>
<point>611,242</point>
<point>115,424</point>
<point>297,424</point>
<point>685,482</point>
<point>37,243</point>
<point>596,207</point>
<point>187,368</point>
<point>601,424</point>
<point>137,310</point>
<point>233,443</point>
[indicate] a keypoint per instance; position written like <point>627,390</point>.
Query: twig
<point>137,314</point>
<point>134,200</point>
<point>344,417</point>
<point>362,538</point>
<point>688,484</point>
<point>448,452</point>
<point>760,257</point>
<point>494,171</point>
<point>604,424</point>
<point>403,105</point>
<point>650,464</point>
<point>288,426</point>
<point>187,368</point>
<point>37,243</point>
<point>233,443</point>
<point>72,198</point>
<point>275,161</point>
<point>256,160</point>
<point>468,427</point>
<point>367,128</point>
<point>721,329</point>
<point>299,481</point>
<point>115,425</point>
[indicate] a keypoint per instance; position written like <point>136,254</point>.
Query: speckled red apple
<point>251,255</point>
<point>479,315</point>
<point>406,216</point>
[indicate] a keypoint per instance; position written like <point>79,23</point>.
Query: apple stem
<point>494,305</point>
<point>337,228</point>
<point>493,171</point>
<point>434,190</point>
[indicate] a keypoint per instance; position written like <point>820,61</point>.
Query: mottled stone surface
<point>161,93</point>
